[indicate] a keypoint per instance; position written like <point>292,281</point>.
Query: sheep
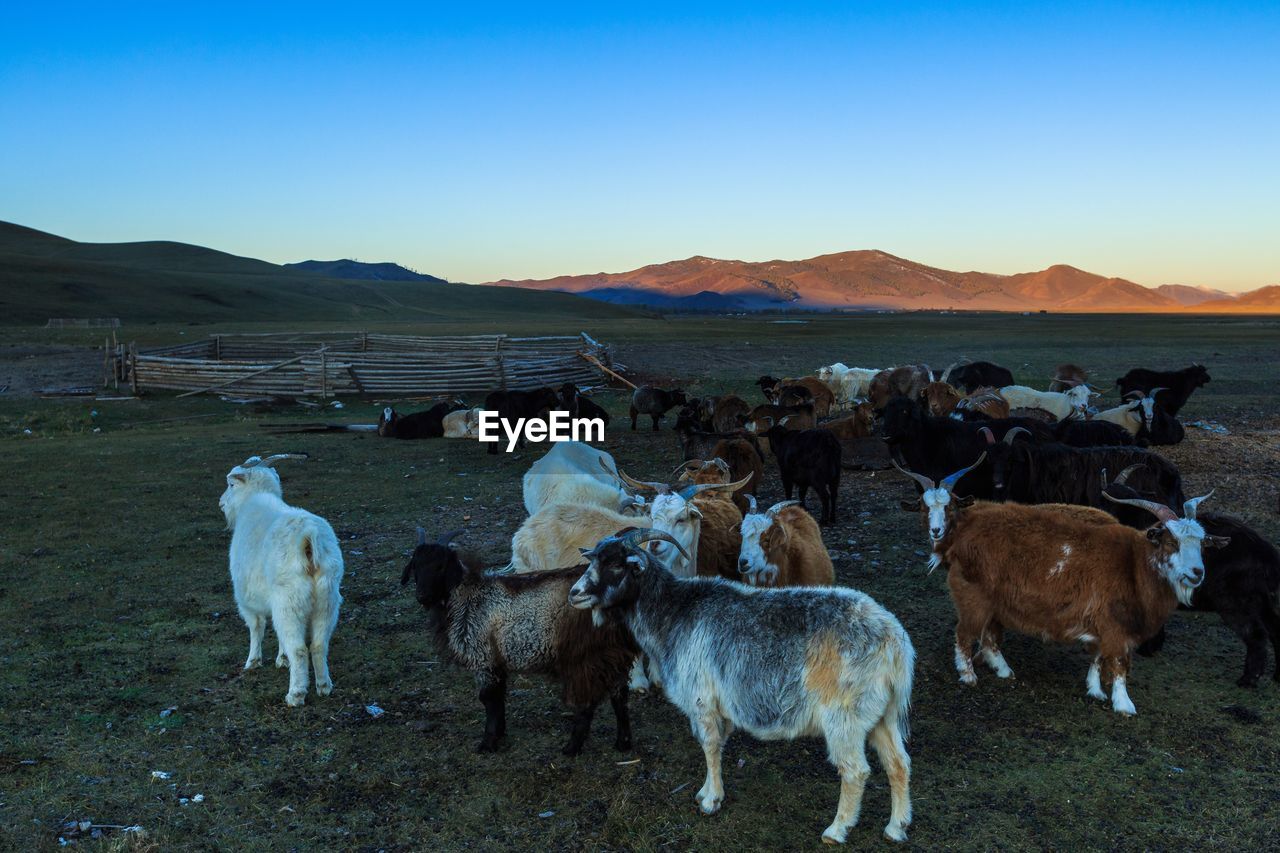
<point>574,472</point>
<point>778,663</point>
<point>552,538</point>
<point>654,402</point>
<point>1060,405</point>
<point>496,626</point>
<point>285,565</point>
<point>782,546</point>
<point>1072,575</point>
<point>462,424</point>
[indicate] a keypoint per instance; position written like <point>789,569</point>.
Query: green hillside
<point>43,276</point>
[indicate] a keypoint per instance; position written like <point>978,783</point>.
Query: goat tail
<point>322,563</point>
<point>900,657</point>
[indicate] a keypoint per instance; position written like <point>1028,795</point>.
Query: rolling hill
<point>361,271</point>
<point>43,275</point>
<point>870,280</point>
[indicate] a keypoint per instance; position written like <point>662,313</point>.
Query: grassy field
<point>118,607</point>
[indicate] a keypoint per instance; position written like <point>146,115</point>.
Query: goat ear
<point>1216,541</point>
<point>239,478</point>
<point>585,551</point>
<point>912,506</point>
<point>1155,533</point>
<point>404,576</point>
<point>965,502</point>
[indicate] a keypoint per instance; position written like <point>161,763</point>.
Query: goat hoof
<point>252,663</point>
<point>487,745</point>
<point>1246,681</point>
<point>895,833</point>
<point>622,744</point>
<point>969,680</point>
<point>324,688</point>
<point>295,698</point>
<point>282,662</point>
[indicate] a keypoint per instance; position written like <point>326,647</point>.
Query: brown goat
<point>860,424</point>
<point>1069,576</point>
<point>722,412</point>
<point>986,401</point>
<point>1068,376</point>
<point>821,395</point>
<point>783,547</point>
<point>737,458</point>
<point>760,419</point>
<point>940,398</point>
<point>906,381</point>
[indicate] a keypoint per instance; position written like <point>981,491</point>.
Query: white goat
<point>1133,412</point>
<point>574,472</point>
<point>286,565</point>
<point>464,423</point>
<point>847,383</point>
<point>554,536</point>
<point>1059,404</point>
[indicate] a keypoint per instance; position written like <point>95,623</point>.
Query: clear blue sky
<point>500,141</point>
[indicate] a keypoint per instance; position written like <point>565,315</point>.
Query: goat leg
<point>580,728</point>
<point>618,700</point>
<point>493,694</point>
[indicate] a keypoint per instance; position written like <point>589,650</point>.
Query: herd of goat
<point>1049,517</point>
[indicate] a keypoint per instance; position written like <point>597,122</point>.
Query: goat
<point>424,424</point>
<point>655,402</point>
<point>574,472</point>
<point>696,444</point>
<point>972,375</point>
<point>1241,584</point>
<point>705,525</point>
<point>720,414</point>
<point>792,392</point>
<point>907,381</point>
<point>860,424</point>
<point>795,417</point>
<point>1068,376</point>
<point>1055,474</point>
<point>464,423</point>
<point>513,406</point>
<point>1093,433</point>
<point>1069,575</point>
<point>938,504</point>
<point>554,536</point>
<point>807,458</point>
<point>782,546</point>
<point>778,663</point>
<point>846,383</point>
<point>983,403</point>
<point>940,398</point>
<point>496,626</point>
<point>1178,383</point>
<point>766,384</point>
<point>286,565</point>
<point>740,459</point>
<point>1160,429</point>
<point>1060,405</point>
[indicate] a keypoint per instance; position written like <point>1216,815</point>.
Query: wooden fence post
<point>324,374</point>
<point>502,368</point>
<point>133,369</point>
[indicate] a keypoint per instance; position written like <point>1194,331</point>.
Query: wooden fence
<point>329,364</point>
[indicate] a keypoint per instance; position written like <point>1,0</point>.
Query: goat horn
<point>988,434</point>
<point>1124,475</point>
<point>1189,508</point>
<point>949,482</point>
<point>638,538</point>
<point>751,505</point>
<point>448,537</point>
<point>1132,394</point>
<point>780,505</point>
<point>607,469</point>
<point>689,492</point>
<point>422,536</point>
<point>686,465</point>
<point>660,488</point>
<point>925,482</point>
<point>1154,391</point>
<point>271,460</point>
<point>251,462</point>
<point>1013,433</point>
<point>1159,510</point>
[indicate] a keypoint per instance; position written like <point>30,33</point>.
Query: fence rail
<point>338,363</point>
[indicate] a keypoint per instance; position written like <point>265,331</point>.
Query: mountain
<point>1264,300</point>
<point>1185,294</point>
<point>43,275</point>
<point>360,271</point>
<point>859,280</point>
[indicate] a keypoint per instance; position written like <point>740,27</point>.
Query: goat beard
<point>1184,593</point>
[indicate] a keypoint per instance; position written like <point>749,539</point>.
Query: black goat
<point>655,402</point>
<point>1179,384</point>
<point>512,406</point>
<point>937,447</point>
<point>1241,584</point>
<point>809,457</point>
<point>496,625</point>
<point>1056,474</point>
<point>1077,433</point>
<point>424,424</point>
<point>977,374</point>
<point>767,385</point>
<point>579,405</point>
<point>1161,429</point>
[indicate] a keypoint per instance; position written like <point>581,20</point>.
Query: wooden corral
<point>341,363</point>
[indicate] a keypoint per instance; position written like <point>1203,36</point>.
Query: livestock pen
<point>329,364</point>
